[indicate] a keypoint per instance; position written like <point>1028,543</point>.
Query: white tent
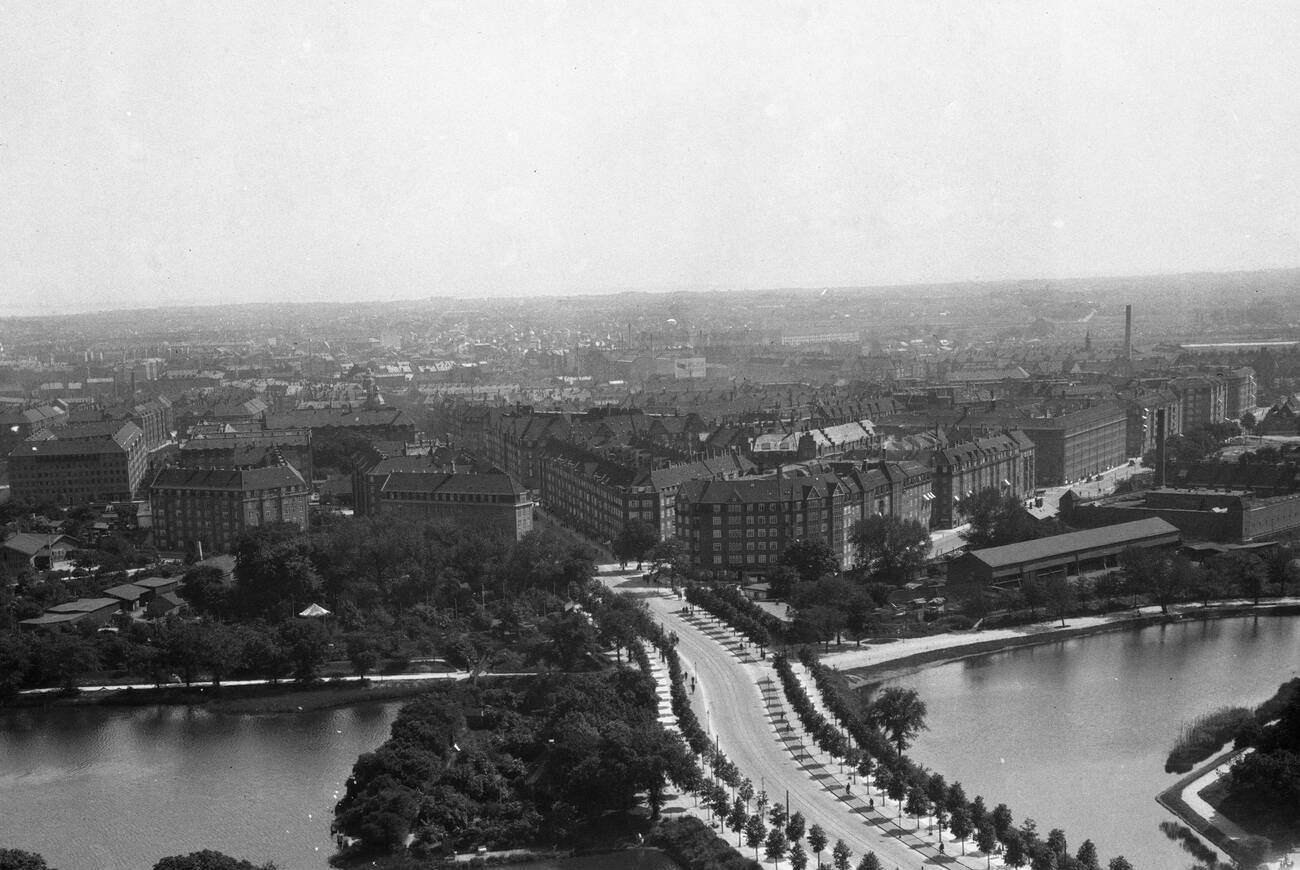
<point>314,611</point>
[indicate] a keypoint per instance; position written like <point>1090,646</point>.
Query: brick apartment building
<point>205,510</point>
<point>488,501</point>
<point>600,493</point>
<point>80,463</point>
<point>1003,462</point>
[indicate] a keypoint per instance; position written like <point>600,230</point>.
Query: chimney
<point>1160,448</point>
<point>1128,332</point>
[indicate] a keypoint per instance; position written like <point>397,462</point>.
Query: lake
<point>1075,733</point>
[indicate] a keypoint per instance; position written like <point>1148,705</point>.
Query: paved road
<point>746,719</point>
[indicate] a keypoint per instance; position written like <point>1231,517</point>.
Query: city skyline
<point>201,155</point>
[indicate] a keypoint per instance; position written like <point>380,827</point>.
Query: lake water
<point>119,788</point>
<point>1074,734</point>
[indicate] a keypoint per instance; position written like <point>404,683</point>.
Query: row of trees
<point>17,859</point>
<point>731,606</point>
<point>897,714</point>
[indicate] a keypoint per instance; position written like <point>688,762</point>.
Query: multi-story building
<point>1003,462</point>
<point>205,510</point>
<point>1204,400</point>
<point>1076,444</point>
<point>599,494</point>
<point>740,528</point>
<point>488,501</point>
<point>1240,391</point>
<point>1141,408</point>
<point>83,463</point>
<point>229,446</point>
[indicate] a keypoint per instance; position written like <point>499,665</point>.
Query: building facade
<point>205,510</point>
<point>81,464</point>
<point>489,501</point>
<point>1003,462</point>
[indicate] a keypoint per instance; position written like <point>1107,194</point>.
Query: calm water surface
<point>1075,734</point>
<point>97,788</point>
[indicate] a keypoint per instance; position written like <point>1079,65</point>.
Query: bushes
<point>1202,737</point>
<point>694,846</point>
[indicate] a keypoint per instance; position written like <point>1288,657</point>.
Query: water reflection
<point>1075,733</point>
<point>97,787</point>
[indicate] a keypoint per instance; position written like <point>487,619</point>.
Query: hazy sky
<point>197,152</point>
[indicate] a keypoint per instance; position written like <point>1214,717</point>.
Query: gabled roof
<point>83,605</point>
<point>1090,539</point>
<point>31,543</point>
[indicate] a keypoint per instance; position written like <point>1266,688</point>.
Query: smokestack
<point>1128,332</point>
<point>1160,448</point>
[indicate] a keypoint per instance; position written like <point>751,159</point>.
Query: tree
<point>737,819</point>
<point>869,862</point>
<point>798,857</point>
<point>362,655</point>
<point>900,714</point>
<point>305,641</point>
<point>571,639</point>
<point>1056,842</point>
<point>1014,849</point>
<point>986,839</point>
<point>669,557</point>
<point>775,845</point>
<point>811,558</point>
<point>17,859</point>
<point>777,816</point>
<point>634,542</point>
<point>207,860</point>
<point>997,518</point>
<point>1245,572</point>
<point>1119,862</point>
<point>842,855</point>
<point>1002,821</point>
<point>1248,421</point>
<point>755,830</point>
<point>960,824</point>
<point>890,550</point>
<point>1251,851</point>
<point>817,842</point>
<point>1087,856</point>
<point>794,828</point>
<point>917,804</point>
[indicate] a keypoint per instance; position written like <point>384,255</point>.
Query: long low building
<point>1059,555</point>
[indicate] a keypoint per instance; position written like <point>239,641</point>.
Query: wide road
<point>730,703</point>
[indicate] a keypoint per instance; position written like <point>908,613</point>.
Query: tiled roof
<point>241,480</point>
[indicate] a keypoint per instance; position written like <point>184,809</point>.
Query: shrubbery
<point>694,846</point>
<point>1205,735</point>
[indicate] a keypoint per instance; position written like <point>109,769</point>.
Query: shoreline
<point>1172,800</point>
<point>898,659</point>
<point>261,700</point>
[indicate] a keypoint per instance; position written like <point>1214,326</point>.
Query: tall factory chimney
<point>1162,426</point>
<point>1128,332</point>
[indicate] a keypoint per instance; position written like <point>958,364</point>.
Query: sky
<point>200,152</point>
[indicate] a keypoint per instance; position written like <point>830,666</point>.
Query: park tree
<point>870,861</point>
<point>1056,842</point>
<point>777,816</point>
<point>1002,821</point>
<point>959,823</point>
<point>737,819</point>
<point>669,558</point>
<point>811,558</point>
<point>1014,849</point>
<point>997,518</point>
<point>917,804</point>
<point>15,659</point>
<point>889,549</point>
<point>1119,862</point>
<point>755,832</point>
<point>775,845</point>
<point>986,840</point>
<point>794,828</point>
<point>842,855</point>
<point>305,642</point>
<point>208,860</point>
<point>900,714</point>
<point>746,791</point>
<point>817,842</point>
<point>1245,573</point>
<point>634,542</point>
<point>1248,422</point>
<point>798,858</point>
<point>1252,850</point>
<point>17,859</point>
<point>1087,856</point>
